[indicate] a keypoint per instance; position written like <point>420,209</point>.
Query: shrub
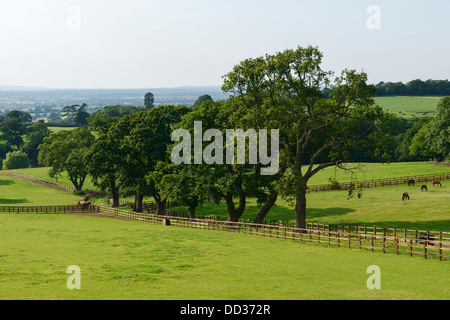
<point>16,160</point>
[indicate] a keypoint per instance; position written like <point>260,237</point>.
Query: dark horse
<point>411,183</point>
<point>405,196</point>
<point>437,183</point>
<point>424,187</point>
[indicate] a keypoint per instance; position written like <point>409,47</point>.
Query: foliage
<point>117,111</point>
<point>102,159</point>
<point>16,160</point>
<point>414,88</point>
<point>149,99</point>
<point>12,131</point>
<point>22,116</point>
<point>65,151</point>
<point>284,91</point>
<point>202,99</point>
<point>76,114</point>
<point>36,133</point>
<point>439,133</point>
<point>144,137</point>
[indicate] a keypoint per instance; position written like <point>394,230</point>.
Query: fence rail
<point>380,182</point>
<point>48,209</point>
<point>429,244</point>
<point>443,164</point>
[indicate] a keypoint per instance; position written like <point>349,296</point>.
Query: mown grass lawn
<point>133,260</point>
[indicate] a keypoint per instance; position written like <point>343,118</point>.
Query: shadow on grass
<point>277,212</point>
<point>6,182</point>
<point>12,201</point>
<point>440,225</point>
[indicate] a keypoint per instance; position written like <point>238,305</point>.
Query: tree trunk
<point>161,206</point>
<point>300,209</point>
<point>235,214</point>
<point>265,208</point>
<point>138,199</point>
<point>192,212</point>
<point>116,197</point>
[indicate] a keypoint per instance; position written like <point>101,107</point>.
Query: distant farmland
<point>409,106</point>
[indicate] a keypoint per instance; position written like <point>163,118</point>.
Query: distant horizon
<point>40,88</point>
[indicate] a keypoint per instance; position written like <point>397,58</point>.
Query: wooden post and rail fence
<point>396,181</point>
<point>429,244</point>
<point>400,241</point>
<point>49,184</point>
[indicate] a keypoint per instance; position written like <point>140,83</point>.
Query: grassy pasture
<point>42,173</point>
<point>409,106</point>
<point>373,171</point>
<point>378,207</point>
<point>367,171</point>
<point>133,260</point>
<point>58,129</point>
<point>18,192</point>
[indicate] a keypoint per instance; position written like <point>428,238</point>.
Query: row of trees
<point>414,88</point>
<point>131,154</point>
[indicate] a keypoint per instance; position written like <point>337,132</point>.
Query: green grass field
<point>367,171</point>
<point>372,171</point>
<point>378,207</point>
<point>18,192</point>
<point>409,106</point>
<point>42,173</point>
<point>57,129</point>
<point>133,260</point>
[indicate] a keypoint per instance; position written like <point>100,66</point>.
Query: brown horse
<point>424,187</point>
<point>437,183</point>
<point>405,196</point>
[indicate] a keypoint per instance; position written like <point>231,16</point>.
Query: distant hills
<point>19,97</point>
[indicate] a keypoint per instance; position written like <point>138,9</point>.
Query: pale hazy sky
<point>153,43</point>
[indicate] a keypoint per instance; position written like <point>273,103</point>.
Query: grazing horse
<point>411,183</point>
<point>424,187</point>
<point>437,183</point>
<point>426,239</point>
<point>405,196</point>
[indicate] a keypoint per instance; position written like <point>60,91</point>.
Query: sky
<point>170,43</point>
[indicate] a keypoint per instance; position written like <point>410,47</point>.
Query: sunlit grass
<point>133,260</point>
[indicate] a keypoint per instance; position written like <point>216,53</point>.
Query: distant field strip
<point>380,182</point>
<point>400,241</point>
<point>46,183</point>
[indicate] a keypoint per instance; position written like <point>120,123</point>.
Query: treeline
<point>414,88</point>
<point>277,103</point>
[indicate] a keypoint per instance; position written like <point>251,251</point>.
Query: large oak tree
<point>320,117</point>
